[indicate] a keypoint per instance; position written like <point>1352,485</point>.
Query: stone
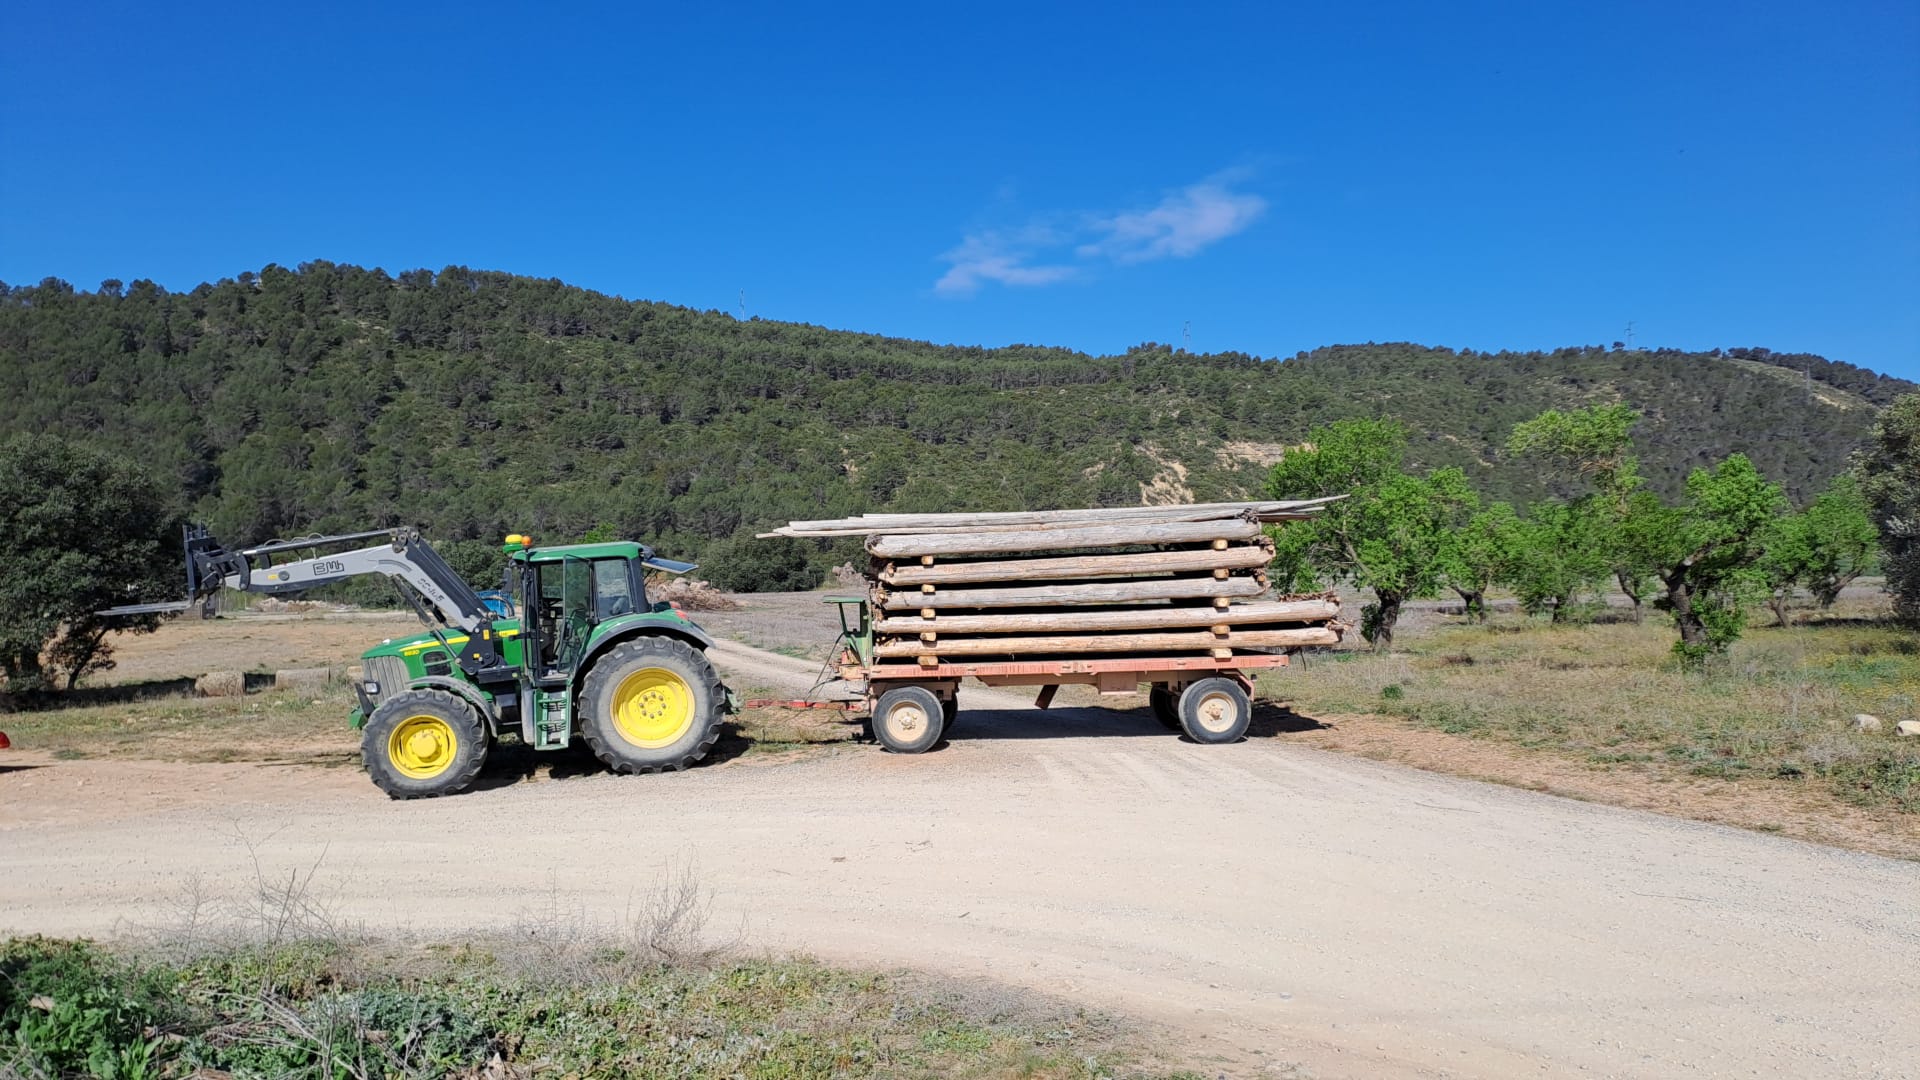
<point>1865,722</point>
<point>221,684</point>
<point>1907,728</point>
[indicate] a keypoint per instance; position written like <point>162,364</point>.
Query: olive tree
<point>1387,537</point>
<point>1821,549</point>
<point>1708,553</point>
<point>85,530</point>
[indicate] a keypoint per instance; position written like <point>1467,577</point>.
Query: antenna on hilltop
<point>1629,335</point>
<point>743,305</point>
<point>1186,336</point>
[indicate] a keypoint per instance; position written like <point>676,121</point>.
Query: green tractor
<point>574,648</point>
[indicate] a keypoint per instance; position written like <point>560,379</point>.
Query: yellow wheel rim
<point>652,707</point>
<point>422,747</point>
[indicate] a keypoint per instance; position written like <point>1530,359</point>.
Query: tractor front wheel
<point>423,743</point>
<point>650,704</point>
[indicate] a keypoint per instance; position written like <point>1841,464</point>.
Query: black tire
<point>421,744</point>
<point>651,684</point>
<point>949,709</point>
<point>1166,706</point>
<point>1215,711</point>
<point>908,720</point>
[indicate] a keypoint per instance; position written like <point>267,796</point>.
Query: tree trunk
<point>1385,614</point>
<point>1633,596</point>
<point>1476,603</point>
<point>1693,632</point>
<point>1560,605</point>
<point>1777,600</point>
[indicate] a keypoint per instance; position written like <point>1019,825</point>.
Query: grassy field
<point>1779,706</point>
<point>342,1010</point>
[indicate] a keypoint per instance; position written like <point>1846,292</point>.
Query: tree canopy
<point>85,530</point>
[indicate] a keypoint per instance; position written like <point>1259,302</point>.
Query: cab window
<point>612,588</point>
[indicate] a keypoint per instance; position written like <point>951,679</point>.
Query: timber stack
<point>1132,581</point>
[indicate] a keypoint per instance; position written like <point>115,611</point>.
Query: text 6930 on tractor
<point>576,648</point>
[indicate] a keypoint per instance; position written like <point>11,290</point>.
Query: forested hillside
<point>477,403</point>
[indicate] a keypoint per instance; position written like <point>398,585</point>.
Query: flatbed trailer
<point>911,705</point>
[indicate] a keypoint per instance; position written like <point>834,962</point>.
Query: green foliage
<point>1388,536</point>
<point>778,564</point>
<point>473,404</point>
<point>73,1010</point>
<point>1559,553</point>
<point>1485,550</point>
<point>85,530</point>
<point>480,563</point>
<point>1594,443</point>
<point>1709,553</point>
<point>1824,547</point>
<point>1889,471</point>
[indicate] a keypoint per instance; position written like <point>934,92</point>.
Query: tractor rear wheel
<point>1215,710</point>
<point>423,743</point>
<point>651,704</point>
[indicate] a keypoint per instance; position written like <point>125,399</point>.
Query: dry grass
<point>1778,707</point>
<point>304,727</point>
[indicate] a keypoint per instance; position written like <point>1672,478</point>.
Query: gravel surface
<point>1275,905</point>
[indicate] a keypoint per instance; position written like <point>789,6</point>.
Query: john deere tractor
<point>579,650</point>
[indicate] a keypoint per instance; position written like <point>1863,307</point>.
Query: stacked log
<point>1140,581</point>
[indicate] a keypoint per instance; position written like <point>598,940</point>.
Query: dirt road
<point>1272,904</point>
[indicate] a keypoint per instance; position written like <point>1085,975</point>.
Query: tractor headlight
<point>372,688</point>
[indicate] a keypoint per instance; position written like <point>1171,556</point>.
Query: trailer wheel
<point>908,720</point>
<point>1166,706</point>
<point>423,743</point>
<point>649,704</point>
<point>1215,710</point>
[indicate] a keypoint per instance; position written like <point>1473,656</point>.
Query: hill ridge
<point>478,402</point>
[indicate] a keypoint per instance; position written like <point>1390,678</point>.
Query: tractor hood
<point>419,643</point>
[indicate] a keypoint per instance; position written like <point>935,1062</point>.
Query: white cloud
<point>1000,257</point>
<point>1182,225</point>
<point>1179,226</point>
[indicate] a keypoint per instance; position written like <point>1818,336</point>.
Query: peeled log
<point>1201,641</point>
<point>1259,553</point>
<point>1285,611</point>
<point>1186,532</point>
<point>1119,592</point>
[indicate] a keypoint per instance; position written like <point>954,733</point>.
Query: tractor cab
<point>566,592</point>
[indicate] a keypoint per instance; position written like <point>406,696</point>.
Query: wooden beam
<point>962,543</point>
<point>1071,644</point>
<point>1256,554</point>
<point>1145,618</point>
<point>1117,592</point>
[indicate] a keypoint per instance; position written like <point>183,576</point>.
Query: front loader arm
<point>404,557</point>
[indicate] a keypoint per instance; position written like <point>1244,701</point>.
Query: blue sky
<point>1275,177</point>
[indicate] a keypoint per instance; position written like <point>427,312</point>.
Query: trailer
<point>912,705</point>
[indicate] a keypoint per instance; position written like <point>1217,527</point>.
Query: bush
<point>744,564</point>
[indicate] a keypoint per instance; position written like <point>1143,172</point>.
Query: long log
<point>1111,643</point>
<point>1302,611</point>
<point>1259,553</point>
<point>1119,592</point>
<point>954,522</point>
<point>958,543</point>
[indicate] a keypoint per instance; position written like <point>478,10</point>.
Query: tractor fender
<point>466,690</point>
<point>628,628</point>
